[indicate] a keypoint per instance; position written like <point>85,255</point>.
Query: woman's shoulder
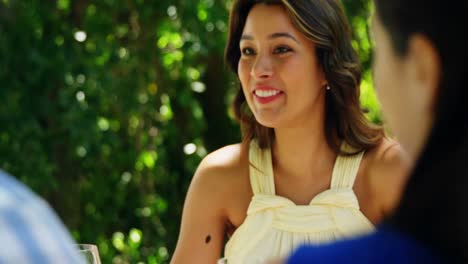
<point>224,161</point>
<point>223,167</point>
<point>387,165</point>
<point>387,150</point>
<point>386,155</point>
<point>222,182</point>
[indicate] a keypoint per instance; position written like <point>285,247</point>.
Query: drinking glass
<point>90,253</point>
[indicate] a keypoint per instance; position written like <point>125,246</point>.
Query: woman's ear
<point>424,70</point>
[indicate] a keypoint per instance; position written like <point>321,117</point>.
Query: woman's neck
<point>303,150</point>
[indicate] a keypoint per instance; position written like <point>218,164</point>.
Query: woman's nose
<point>262,67</point>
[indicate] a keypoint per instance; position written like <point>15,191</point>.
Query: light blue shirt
<point>30,232</point>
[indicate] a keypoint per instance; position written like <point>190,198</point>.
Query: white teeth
<point>266,93</point>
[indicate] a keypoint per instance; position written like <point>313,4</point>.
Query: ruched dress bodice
<point>275,225</point>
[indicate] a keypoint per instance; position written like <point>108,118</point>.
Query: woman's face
<point>405,85</point>
<point>278,69</point>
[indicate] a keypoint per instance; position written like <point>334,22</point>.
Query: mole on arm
<point>207,239</point>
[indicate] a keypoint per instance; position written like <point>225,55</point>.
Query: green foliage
<point>107,107</point>
<point>358,12</point>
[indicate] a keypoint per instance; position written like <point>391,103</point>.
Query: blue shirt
<point>383,246</point>
<point>30,232</point>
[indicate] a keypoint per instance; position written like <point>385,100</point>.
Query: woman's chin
<point>268,122</point>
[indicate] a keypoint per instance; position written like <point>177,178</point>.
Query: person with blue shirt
<point>30,232</point>
<point>420,77</point>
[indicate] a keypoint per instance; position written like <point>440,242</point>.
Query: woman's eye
<point>247,51</point>
<point>282,49</point>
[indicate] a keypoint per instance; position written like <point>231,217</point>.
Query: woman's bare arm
<point>204,216</point>
<point>202,229</point>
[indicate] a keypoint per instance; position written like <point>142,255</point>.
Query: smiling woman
<point>322,29</point>
<point>281,79</point>
<point>310,169</point>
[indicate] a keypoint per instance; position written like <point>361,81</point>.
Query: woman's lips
<point>266,95</point>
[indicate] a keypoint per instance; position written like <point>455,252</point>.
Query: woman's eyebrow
<point>272,36</point>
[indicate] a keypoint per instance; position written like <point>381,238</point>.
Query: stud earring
<point>328,87</point>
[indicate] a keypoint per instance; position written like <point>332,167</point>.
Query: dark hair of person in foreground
<point>434,205</point>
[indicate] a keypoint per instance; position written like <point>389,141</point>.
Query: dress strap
<point>346,168</point>
<point>261,169</point>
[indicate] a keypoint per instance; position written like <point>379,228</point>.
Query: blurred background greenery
<point>107,107</point>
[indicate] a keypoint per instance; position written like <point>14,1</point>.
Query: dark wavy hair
<point>325,24</point>
<point>434,205</point>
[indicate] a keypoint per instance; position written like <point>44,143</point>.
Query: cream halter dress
<point>275,226</point>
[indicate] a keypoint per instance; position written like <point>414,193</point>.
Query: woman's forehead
<point>269,20</point>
